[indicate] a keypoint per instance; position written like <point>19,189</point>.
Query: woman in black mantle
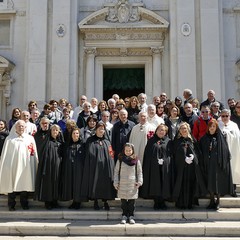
<point>215,162</point>
<point>157,168</point>
<point>47,180</point>
<point>72,170</point>
<point>98,171</point>
<point>189,183</point>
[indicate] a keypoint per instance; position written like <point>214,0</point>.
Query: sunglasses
<point>223,116</point>
<point>205,111</point>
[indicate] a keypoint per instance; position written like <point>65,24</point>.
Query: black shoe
<point>106,206</point>
<point>217,207</point>
<point>25,207</point>
<point>156,206</point>
<point>48,205</point>
<point>11,209</point>
<point>77,205</point>
<point>55,205</point>
<point>96,206</point>
<point>163,206</point>
<point>72,206</point>
<point>211,205</point>
<point>234,194</point>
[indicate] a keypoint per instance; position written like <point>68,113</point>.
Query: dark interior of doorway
<point>126,82</point>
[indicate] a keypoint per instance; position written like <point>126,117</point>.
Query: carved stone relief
<point>123,12</point>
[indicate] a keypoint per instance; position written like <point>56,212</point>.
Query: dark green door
<point>126,82</point>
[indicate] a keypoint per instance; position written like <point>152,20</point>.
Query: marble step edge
<point>203,202</point>
<point>114,228</point>
<point>227,214</point>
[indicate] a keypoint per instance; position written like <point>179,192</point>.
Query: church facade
<point>51,49</point>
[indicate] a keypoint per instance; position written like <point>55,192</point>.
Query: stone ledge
<point>113,228</point>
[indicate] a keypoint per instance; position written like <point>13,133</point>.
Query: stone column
<point>157,70</point>
<point>90,67</point>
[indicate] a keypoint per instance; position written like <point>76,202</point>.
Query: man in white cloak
<point>18,166</point>
<point>140,134</point>
<point>232,133</point>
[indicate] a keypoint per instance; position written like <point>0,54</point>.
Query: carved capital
<point>156,50</point>
<point>90,50</point>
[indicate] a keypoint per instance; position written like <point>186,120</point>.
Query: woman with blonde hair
<point>133,109</point>
<point>189,183</point>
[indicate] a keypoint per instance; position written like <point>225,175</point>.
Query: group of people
<point>166,151</point>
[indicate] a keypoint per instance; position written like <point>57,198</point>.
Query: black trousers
<point>23,199</point>
<point>128,207</point>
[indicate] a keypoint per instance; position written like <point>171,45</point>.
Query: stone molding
<point>124,34</point>
<point>126,51</point>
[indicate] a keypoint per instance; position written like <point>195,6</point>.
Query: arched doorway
<point>125,81</point>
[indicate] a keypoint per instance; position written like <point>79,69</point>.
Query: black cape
<point>47,180</point>
<point>98,173</point>
<point>3,136</point>
<point>215,163</point>
<point>189,182</point>
<point>72,171</point>
<point>157,178</point>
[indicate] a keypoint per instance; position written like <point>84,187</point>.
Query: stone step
<point>141,214</point>
<point>114,228</point>
<point>112,238</point>
<point>227,202</point>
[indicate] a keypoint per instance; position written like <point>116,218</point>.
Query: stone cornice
<point>7,12</point>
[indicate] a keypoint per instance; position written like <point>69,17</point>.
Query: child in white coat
<point>127,180</point>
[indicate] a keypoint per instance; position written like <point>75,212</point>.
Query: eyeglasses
<point>223,116</point>
<point>215,106</point>
<point>205,111</point>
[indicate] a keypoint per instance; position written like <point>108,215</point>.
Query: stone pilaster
<point>186,46</point>
<point>36,55</point>
<point>210,47</point>
<point>90,53</point>
<point>61,48</point>
<point>157,70</point>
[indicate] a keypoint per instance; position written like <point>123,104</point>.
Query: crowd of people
<point>169,150</point>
